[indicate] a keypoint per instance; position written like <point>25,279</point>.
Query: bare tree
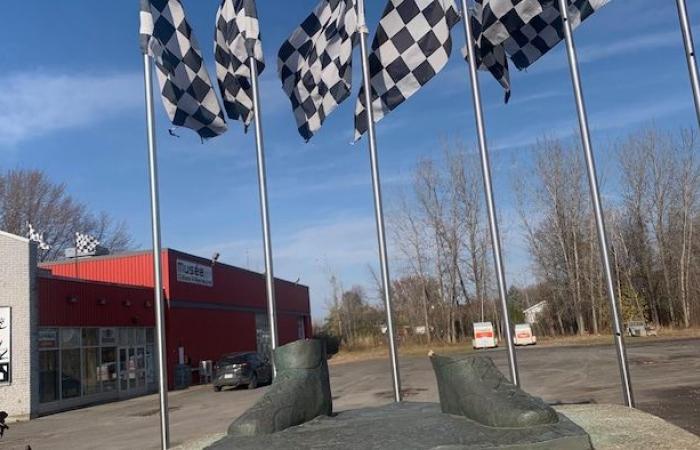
<point>30,196</point>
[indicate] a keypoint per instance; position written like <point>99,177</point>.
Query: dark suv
<point>239,369</point>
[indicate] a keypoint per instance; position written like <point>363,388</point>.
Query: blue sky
<point>72,105</point>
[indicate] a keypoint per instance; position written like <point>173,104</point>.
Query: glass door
<point>132,369</point>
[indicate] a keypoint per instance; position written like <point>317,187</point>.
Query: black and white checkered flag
<point>412,44</point>
<point>35,236</point>
<point>186,88</point>
<point>527,29</point>
<point>85,244</point>
<point>489,57</point>
<point>237,40</point>
<point>315,63</point>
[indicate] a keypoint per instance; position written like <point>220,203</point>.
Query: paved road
<point>666,377</point>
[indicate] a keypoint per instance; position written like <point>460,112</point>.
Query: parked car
<point>523,335</point>
<point>484,336</point>
<point>242,369</point>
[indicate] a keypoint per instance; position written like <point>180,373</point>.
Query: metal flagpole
<point>157,267</point>
<point>264,209</point>
<point>378,208</point>
<point>595,195</point>
<point>488,188</point>
<point>690,53</point>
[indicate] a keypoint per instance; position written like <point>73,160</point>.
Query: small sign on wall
<point>5,344</point>
<point>194,273</point>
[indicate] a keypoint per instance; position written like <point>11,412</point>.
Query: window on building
<point>48,376</point>
<point>70,337</point>
<point>301,328</point>
<point>262,328</point>
<point>48,338</point>
<point>139,336</point>
<point>108,336</point>
<point>108,369</point>
<point>76,362</point>
<point>150,363</point>
<point>90,337</point>
<point>70,373</point>
<point>91,368</point>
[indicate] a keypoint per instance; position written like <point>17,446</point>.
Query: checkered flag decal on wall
<point>34,236</point>
<point>412,44</point>
<point>186,88</point>
<point>237,40</point>
<point>315,63</point>
<point>85,244</point>
<point>527,29</point>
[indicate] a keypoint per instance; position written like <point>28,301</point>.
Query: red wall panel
<point>208,334</point>
<point>235,286</point>
<point>56,310</point>
<point>131,268</point>
<point>288,328</point>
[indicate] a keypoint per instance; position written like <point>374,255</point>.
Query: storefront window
<point>70,373</point>
<point>150,365</point>
<point>48,376</point>
<point>48,338</point>
<point>90,338</point>
<point>91,367</point>
<point>75,362</point>
<point>301,329</point>
<point>124,337</point>
<point>262,330</point>
<point>108,336</point>
<point>139,336</point>
<point>108,369</point>
<point>123,370</point>
<point>70,337</point>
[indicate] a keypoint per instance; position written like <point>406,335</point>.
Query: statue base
<point>408,426</point>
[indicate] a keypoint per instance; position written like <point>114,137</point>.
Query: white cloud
<point>39,103</point>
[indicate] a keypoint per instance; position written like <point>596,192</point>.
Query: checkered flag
<point>489,57</point>
<point>85,244</point>
<point>186,89</point>
<point>37,237</point>
<point>315,63</point>
<point>527,29</point>
<point>412,44</point>
<point>237,40</point>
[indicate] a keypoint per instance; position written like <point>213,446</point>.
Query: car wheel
<point>217,388</point>
<point>253,381</point>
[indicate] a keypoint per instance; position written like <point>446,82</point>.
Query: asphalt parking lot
<point>666,377</point>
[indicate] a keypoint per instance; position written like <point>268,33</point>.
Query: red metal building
<point>211,309</point>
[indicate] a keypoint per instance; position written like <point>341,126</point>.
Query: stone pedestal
<point>408,426</point>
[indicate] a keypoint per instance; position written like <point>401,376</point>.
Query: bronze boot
<point>474,388</point>
<point>300,392</point>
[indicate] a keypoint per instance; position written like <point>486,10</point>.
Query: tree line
<point>445,276</point>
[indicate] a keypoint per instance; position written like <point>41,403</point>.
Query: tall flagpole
<point>157,266</point>
<point>690,53</point>
<point>378,207</point>
<point>488,188</point>
<point>595,195</point>
<point>264,209</point>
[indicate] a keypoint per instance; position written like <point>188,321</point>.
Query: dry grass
<point>381,352</point>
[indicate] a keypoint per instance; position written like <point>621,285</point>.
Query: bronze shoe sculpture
<point>474,388</point>
<point>300,392</point>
